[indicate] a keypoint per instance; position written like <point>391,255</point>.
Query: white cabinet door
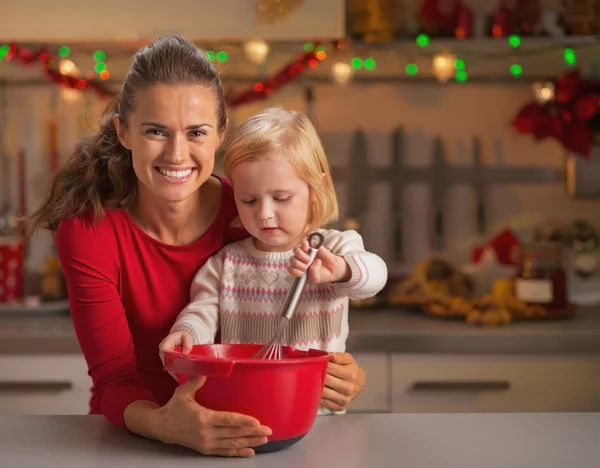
<point>33,384</point>
<point>374,397</point>
<point>498,383</point>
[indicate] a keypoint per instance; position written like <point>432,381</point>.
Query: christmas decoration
<point>341,73</point>
<point>543,92</point>
<point>464,22</point>
<point>567,117</point>
<point>261,90</point>
<point>497,259</point>
<point>581,17</point>
<point>503,245</point>
<point>287,74</point>
<point>375,20</point>
<point>11,268</point>
<point>443,66</point>
<point>276,11</point>
<point>256,51</point>
<point>438,17</point>
<point>528,17</point>
<point>502,20</point>
<point>27,57</point>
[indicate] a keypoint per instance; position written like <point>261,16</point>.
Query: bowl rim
<point>326,356</point>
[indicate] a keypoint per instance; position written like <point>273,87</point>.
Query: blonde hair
<point>277,132</point>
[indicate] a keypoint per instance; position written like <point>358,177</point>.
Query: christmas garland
<point>27,58</point>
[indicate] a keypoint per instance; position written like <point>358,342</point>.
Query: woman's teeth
<point>175,174</point>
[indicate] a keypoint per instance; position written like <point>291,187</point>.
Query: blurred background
<point>463,136</point>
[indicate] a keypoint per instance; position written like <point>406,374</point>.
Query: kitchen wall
<point>456,113</point>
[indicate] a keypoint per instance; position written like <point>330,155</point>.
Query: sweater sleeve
<point>369,271</point>
<point>89,259</point>
<point>200,318</point>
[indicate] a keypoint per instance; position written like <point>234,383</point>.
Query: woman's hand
<point>343,383</point>
<point>326,268</point>
<point>184,422</point>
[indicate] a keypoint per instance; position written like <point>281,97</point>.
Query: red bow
<point>565,118</point>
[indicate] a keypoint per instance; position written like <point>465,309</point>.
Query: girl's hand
<point>343,383</point>
<point>184,422</point>
<point>326,268</point>
<point>178,338</point>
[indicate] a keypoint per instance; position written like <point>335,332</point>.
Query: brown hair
<point>276,132</point>
<point>99,173</point>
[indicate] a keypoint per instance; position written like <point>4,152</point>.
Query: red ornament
<point>11,269</point>
<point>503,21</point>
<point>505,245</point>
<point>464,22</point>
<point>438,17</point>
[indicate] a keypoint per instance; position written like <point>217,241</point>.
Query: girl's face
<point>173,135</point>
<point>272,201</point>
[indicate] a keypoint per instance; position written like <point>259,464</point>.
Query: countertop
<point>361,441</point>
<point>377,330</point>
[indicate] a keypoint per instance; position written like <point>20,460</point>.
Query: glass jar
<point>541,279</point>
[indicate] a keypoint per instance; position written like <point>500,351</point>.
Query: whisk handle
<point>298,283</point>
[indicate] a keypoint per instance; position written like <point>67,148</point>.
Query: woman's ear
<point>222,134</point>
<point>122,132</point>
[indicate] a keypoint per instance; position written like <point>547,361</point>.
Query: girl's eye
<point>155,132</point>
<point>282,199</point>
<point>249,202</point>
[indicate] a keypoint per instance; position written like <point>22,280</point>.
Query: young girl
<point>283,191</point>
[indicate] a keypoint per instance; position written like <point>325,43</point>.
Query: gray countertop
<point>377,330</point>
<point>373,441</point>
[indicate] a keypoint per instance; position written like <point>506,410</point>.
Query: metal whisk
<point>272,350</point>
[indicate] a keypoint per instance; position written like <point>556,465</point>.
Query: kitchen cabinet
<point>44,384</point>
<point>432,383</point>
<point>375,395</point>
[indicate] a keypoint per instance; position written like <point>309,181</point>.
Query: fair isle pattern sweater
<point>241,291</point>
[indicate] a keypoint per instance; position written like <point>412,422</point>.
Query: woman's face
<point>173,134</point>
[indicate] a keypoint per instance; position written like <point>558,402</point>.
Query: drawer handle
<point>35,387</point>
<point>464,386</point>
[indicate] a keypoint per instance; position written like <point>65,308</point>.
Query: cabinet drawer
<point>514,383</point>
<point>44,385</point>
<point>374,397</point>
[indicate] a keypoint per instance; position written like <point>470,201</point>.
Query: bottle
<point>541,279</point>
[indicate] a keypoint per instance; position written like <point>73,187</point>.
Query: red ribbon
<point>566,118</point>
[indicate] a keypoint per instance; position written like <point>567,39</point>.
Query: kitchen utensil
<point>398,186</point>
<point>479,187</point>
<point>438,194</point>
<point>283,395</point>
<point>272,350</point>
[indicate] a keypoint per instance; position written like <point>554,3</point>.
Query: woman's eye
<point>198,133</point>
<point>282,199</point>
<point>155,132</point>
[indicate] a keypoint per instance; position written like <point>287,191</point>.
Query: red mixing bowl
<point>282,394</point>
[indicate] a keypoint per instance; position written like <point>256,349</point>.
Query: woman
<point>136,212</point>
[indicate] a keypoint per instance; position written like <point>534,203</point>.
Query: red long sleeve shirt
<point>125,291</point>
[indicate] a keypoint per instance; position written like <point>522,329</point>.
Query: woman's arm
<point>90,263</point>
<point>89,260</point>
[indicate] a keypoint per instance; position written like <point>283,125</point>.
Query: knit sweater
<point>241,290</point>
